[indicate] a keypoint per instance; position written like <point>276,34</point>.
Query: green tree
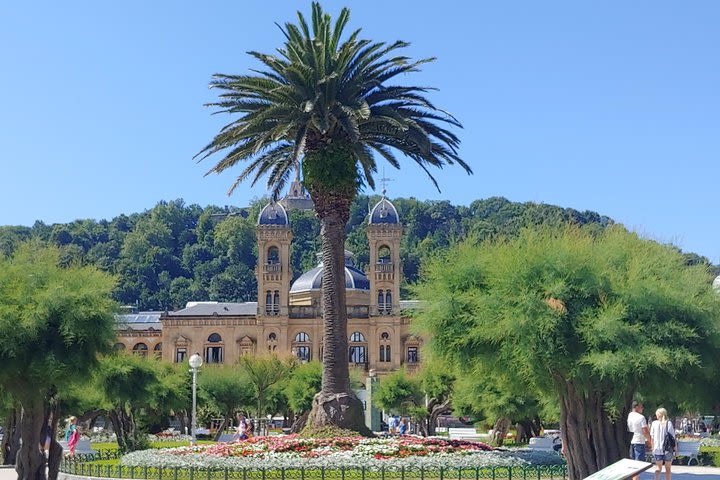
<point>300,389</point>
<point>129,383</point>
<point>229,388</point>
<point>329,105</point>
<point>263,372</point>
<point>53,323</point>
<point>592,317</point>
<point>423,396</point>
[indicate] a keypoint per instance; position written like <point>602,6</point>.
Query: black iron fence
<point>91,465</point>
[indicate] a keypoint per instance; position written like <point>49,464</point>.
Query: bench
<point>465,434</point>
<point>690,449</point>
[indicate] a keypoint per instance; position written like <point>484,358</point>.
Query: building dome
<point>312,280</point>
<point>384,212</point>
<point>716,283</point>
<point>273,214</point>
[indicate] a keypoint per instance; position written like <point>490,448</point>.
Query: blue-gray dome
<point>384,212</point>
<point>312,280</point>
<point>273,214</point>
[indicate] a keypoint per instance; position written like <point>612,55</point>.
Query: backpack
<point>669,443</point>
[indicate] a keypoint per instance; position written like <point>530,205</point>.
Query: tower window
<point>384,254</point>
<point>273,256</point>
<point>272,302</point>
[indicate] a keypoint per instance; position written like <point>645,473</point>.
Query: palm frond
<point>322,87</point>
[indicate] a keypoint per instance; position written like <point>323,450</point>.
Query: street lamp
<point>195,362</point>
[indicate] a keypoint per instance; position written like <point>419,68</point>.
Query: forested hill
<point>174,253</point>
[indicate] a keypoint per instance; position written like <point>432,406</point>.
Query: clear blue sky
<point>611,106</point>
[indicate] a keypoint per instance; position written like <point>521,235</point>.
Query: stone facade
<point>287,318</point>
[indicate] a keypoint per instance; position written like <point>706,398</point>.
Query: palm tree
<point>325,106</point>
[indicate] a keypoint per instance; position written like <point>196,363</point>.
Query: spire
<point>296,197</point>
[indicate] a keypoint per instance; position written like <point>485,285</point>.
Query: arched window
<point>140,349</point>
<point>357,352</point>
<point>158,350</point>
<point>385,355</point>
<point>388,301</point>
<point>384,254</point>
<point>268,302</point>
<point>273,256</point>
<point>272,337</point>
<point>214,351</point>
<point>272,302</point>
<point>381,300</point>
<point>276,302</point>
<point>357,337</point>
<point>301,346</point>
<point>119,346</point>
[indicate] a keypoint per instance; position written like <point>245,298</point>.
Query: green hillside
<point>174,253</point>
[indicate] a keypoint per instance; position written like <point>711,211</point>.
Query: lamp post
<point>195,362</point>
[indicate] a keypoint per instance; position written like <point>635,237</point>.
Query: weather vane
<point>384,181</point>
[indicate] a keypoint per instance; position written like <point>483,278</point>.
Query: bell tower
<point>273,268</point>
<point>384,233</point>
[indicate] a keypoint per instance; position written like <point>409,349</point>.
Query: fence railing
<point>87,465</point>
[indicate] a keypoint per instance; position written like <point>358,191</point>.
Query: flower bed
<point>291,451</point>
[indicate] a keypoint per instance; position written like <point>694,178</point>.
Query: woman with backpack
<point>664,443</point>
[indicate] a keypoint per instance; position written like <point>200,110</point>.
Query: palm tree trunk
<point>336,404</point>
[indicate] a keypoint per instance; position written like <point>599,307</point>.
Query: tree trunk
<point>11,439</point>
<point>299,423</point>
<point>31,459</point>
<point>55,450</point>
<point>336,404</point>
<point>500,429</point>
<point>123,423</point>
<point>589,435</point>
<point>183,417</point>
<point>436,409</point>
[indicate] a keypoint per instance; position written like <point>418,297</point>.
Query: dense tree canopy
<point>175,253</point>
<point>593,317</point>
<point>55,318</point>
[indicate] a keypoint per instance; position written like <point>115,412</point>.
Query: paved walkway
<point>679,472</point>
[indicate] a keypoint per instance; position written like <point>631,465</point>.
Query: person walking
<point>662,449</point>
<point>641,434</point>
<point>72,435</point>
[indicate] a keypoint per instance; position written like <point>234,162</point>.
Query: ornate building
<point>287,318</point>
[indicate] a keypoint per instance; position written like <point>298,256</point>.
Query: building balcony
<point>384,267</point>
<point>272,268</point>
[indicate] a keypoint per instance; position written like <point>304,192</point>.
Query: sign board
<point>621,470</point>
